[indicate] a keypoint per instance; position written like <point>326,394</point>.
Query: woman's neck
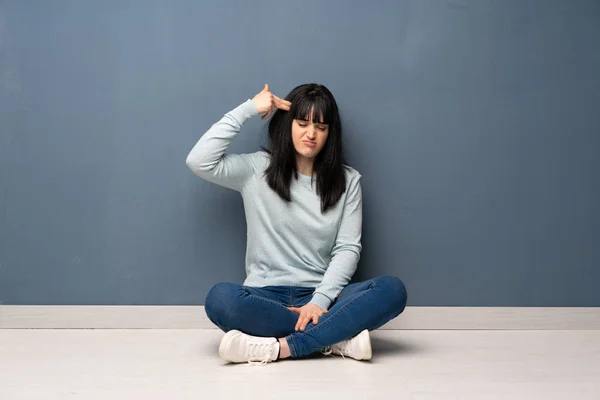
<point>304,166</point>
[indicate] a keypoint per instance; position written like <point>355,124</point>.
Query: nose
<point>310,133</point>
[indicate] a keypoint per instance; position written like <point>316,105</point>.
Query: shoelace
<point>329,350</point>
<point>255,349</point>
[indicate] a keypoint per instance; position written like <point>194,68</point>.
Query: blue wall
<point>475,124</point>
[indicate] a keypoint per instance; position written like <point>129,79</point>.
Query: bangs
<point>312,108</point>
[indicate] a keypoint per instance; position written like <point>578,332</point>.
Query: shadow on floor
<point>393,346</point>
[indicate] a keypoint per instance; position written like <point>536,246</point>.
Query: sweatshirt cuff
<point>321,300</point>
<point>244,111</point>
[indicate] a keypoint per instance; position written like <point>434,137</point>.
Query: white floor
<point>184,364</point>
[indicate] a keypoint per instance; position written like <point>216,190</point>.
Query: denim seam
<point>292,347</point>
<point>265,299</point>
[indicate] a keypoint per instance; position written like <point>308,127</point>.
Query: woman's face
<point>309,137</point>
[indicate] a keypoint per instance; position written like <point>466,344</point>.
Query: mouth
<point>308,143</point>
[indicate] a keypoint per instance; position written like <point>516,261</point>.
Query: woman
<point>304,218</point>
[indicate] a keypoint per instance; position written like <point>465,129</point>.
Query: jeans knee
<point>397,293</point>
<point>217,299</point>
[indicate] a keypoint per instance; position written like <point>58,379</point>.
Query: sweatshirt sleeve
<point>346,250</point>
<point>208,159</point>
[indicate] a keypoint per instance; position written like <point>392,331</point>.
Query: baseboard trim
<point>194,317</point>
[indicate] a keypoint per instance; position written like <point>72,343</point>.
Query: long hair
<point>316,100</point>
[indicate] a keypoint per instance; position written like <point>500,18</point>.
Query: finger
<point>315,319</point>
<point>307,321</point>
<point>273,101</point>
<point>266,89</point>
<point>282,101</point>
<point>304,323</point>
<point>298,324</point>
<point>268,114</point>
<point>294,309</point>
<point>301,323</point>
<point>282,106</point>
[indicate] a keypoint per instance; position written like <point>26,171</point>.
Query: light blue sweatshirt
<point>290,244</point>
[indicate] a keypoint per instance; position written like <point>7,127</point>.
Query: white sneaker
<point>359,347</point>
<point>238,347</point>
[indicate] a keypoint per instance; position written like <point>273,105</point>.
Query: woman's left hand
<point>309,312</point>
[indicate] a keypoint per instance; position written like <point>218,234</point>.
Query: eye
<point>302,123</point>
<point>323,128</point>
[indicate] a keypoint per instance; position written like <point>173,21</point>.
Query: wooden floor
<point>183,364</point>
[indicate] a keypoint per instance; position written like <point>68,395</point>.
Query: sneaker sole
<point>225,342</point>
<point>367,350</point>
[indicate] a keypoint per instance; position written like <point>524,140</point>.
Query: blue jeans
<point>262,311</point>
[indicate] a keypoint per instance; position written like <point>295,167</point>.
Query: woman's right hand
<point>266,102</point>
